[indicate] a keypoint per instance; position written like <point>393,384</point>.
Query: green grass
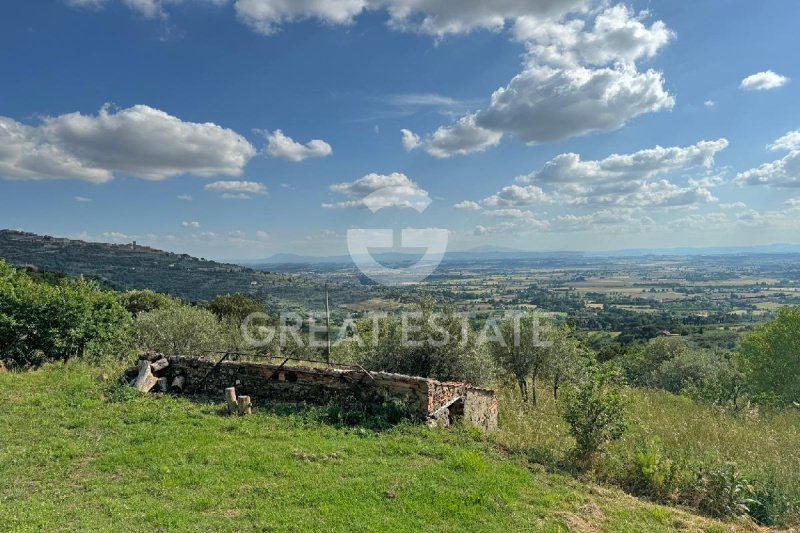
<point>79,454</point>
<point>764,446</point>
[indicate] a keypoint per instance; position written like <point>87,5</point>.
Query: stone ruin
<point>436,403</point>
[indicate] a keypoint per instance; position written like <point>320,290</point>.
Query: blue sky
<point>242,128</point>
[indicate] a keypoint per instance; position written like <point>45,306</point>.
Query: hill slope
<point>102,458</point>
<point>130,266</point>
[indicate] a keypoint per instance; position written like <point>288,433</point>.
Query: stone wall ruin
<point>427,400</point>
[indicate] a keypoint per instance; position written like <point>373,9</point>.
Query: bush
<point>449,357</point>
<point>652,473</point>
<point>596,412</point>
<point>235,307</point>
<point>179,330</point>
<point>143,301</point>
<point>723,492</point>
<point>642,362</point>
<point>770,354</point>
<point>702,375</point>
<point>40,322</point>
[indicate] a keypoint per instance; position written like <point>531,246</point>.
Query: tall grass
<point>764,446</point>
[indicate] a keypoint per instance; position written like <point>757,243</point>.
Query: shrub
<point>642,362</point>
<point>449,356</point>
<point>723,492</point>
<point>143,301</point>
<point>595,411</point>
<point>235,307</point>
<point>770,354</point>
<point>40,322</point>
<point>774,505</point>
<point>702,375</point>
<point>179,330</point>
<point>656,475</point>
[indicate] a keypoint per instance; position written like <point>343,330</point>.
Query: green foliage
<point>724,492</point>
<point>523,349</point>
<point>179,330</point>
<point>235,307</point>
<point>595,411</point>
<point>653,473</point>
<point>671,443</point>
<point>437,346</point>
<point>40,322</point>
<point>771,355</point>
<point>703,375</point>
<point>669,363</point>
<point>567,360</point>
<point>643,361</point>
<point>144,301</point>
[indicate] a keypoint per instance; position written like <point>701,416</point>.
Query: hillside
<point>131,266</point>
<point>103,458</point>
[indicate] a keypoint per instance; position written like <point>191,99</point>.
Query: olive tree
<point>522,346</point>
<point>179,330</point>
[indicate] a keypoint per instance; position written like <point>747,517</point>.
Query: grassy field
<point>763,446</point>
<point>79,453</point>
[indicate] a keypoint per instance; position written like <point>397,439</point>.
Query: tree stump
<point>145,380</point>
<point>162,385</point>
<point>230,398</point>
<point>245,407</point>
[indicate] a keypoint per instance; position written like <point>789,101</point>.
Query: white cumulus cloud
<point>580,76</point>
<point>763,81</point>
<point>376,191</point>
<point>639,165</point>
<point>281,145</point>
<point>784,172</point>
<point>462,137</point>
<point>788,142</point>
<point>236,190</point>
<point>468,205</point>
<point>138,141</point>
<point>516,196</point>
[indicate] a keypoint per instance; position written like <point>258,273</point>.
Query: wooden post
<point>230,398</point>
<point>145,380</point>
<point>245,407</point>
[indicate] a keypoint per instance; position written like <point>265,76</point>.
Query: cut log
<point>159,365</point>
<point>162,385</point>
<point>230,398</point>
<point>245,407</point>
<point>150,356</point>
<point>145,380</point>
<point>177,384</point>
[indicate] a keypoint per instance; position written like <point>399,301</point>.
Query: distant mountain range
<point>492,253</point>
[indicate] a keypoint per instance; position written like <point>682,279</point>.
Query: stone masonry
<point>428,400</point>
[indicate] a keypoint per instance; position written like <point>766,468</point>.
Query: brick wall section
<point>422,396</point>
